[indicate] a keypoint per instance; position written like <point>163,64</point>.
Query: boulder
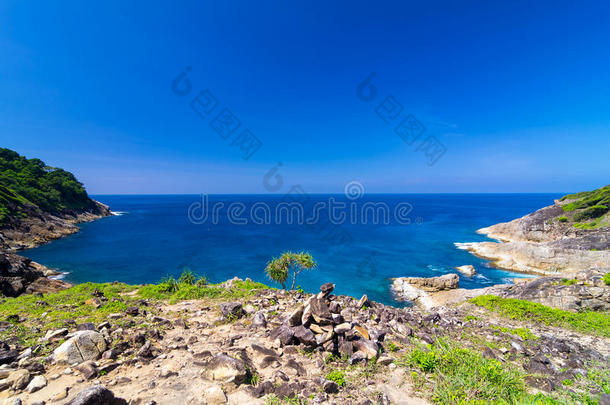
<point>366,347</point>
<point>304,335</point>
<point>226,369</point>
<point>231,309</point>
<point>327,288</point>
<point>320,311</point>
<point>96,395</point>
<point>18,379</point>
<point>37,383</point>
<point>258,320</point>
<point>82,346</point>
<point>283,333</point>
<point>295,316</point>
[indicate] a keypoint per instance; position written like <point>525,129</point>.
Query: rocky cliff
<point>38,203</point>
<point>569,236</point>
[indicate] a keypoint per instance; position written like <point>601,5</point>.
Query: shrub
<point>606,278</point>
<point>563,219</point>
<point>187,277</point>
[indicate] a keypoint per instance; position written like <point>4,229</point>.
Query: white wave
<point>60,276</point>
<point>118,213</point>
<point>463,245</point>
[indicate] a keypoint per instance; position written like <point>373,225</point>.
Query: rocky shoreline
<point>40,227</point>
<point>20,275</point>
<point>539,243</point>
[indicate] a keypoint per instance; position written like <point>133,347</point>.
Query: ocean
<point>359,241</point>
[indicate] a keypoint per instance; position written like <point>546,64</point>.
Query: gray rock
<point>367,347</point>
<point>82,346</point>
<point>295,316</point>
<point>284,334</point>
<point>37,383</point>
<point>304,335</point>
<point>87,369</point>
<point>231,309</point>
<point>327,288</point>
<point>96,395</point>
<point>320,312</point>
<point>226,369</point>
<point>330,387</point>
<point>18,379</point>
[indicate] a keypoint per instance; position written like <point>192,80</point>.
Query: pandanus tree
<point>279,268</point>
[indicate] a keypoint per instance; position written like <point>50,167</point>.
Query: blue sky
<point>517,92</point>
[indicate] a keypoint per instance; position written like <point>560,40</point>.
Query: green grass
<point>606,279</point>
<point>597,323</point>
<point>562,219</point>
<point>174,290</point>
<point>454,375</point>
<point>337,376</point>
<point>523,333</point>
<point>60,307</point>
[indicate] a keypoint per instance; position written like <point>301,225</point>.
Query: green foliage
<point>172,290</point>
<point>337,376</point>
<point>278,269</point>
<point>606,278</point>
<point>594,203</point>
<point>187,277</point>
<point>27,184</point>
<point>568,281</point>
<point>597,323</point>
<point>562,219</point>
<point>590,213</point>
<point>458,376</point>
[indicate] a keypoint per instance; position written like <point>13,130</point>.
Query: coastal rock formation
<point>417,289</point>
<point>564,238</point>
<point>39,227</point>
<point>20,275</point>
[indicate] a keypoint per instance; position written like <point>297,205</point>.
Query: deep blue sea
<point>159,235</point>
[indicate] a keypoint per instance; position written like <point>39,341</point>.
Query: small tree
<point>278,269</point>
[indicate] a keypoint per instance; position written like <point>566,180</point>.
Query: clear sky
<point>517,91</point>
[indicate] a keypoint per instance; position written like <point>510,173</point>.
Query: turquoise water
<point>154,237</point>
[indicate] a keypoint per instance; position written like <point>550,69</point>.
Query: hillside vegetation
<point>588,209</point>
<point>29,184</point>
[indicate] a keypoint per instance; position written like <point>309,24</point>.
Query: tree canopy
<point>27,184</point>
<point>278,269</point>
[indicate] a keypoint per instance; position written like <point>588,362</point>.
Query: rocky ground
<point>106,344</point>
